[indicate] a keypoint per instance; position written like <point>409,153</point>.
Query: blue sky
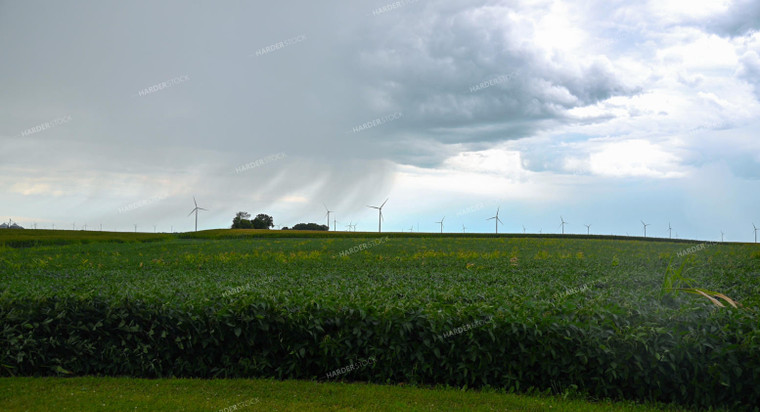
<point>603,112</point>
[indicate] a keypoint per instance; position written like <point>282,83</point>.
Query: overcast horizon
<point>605,113</point>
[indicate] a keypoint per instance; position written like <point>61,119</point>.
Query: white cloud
<point>634,158</point>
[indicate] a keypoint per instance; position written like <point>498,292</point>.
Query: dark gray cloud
<point>466,75</point>
<point>108,104</point>
<point>742,17</point>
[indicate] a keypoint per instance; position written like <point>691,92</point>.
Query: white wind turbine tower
<point>755,227</point>
<point>328,215</point>
<point>588,229</point>
<point>721,236</point>
<point>496,219</point>
<point>349,225</point>
<point>196,210</point>
<point>645,227</point>
<point>441,222</point>
<point>524,230</point>
<point>562,219</point>
<point>379,215</point>
<point>670,231</point>
<point>464,229</point>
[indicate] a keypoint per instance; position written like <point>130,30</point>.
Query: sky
<point>603,113</point>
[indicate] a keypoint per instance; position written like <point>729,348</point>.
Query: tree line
<point>243,220</point>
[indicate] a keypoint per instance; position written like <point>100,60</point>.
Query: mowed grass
<point>125,394</point>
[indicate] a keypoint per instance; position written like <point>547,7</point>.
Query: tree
<point>241,221</point>
<point>310,226</point>
<point>263,221</point>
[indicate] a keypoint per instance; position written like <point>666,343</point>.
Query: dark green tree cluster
<point>261,221</point>
<point>308,226</point>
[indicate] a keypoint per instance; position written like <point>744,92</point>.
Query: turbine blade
<point>196,203</point>
<point>386,200</point>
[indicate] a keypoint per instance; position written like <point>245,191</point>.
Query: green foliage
<point>263,221</point>
<point>242,221</point>
<point>675,280</point>
<point>262,305</point>
<point>310,226</point>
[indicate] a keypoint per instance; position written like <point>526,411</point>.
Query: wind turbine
<point>464,229</point>
<point>441,222</point>
<point>135,227</point>
<point>755,227</point>
<point>196,210</point>
<point>588,229</point>
<point>562,224</point>
<point>645,227</point>
<point>379,215</point>
<point>349,225</point>
<point>496,219</point>
<point>335,225</point>
<point>670,231</point>
<point>721,236</point>
<point>524,230</point>
<point>328,215</point>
